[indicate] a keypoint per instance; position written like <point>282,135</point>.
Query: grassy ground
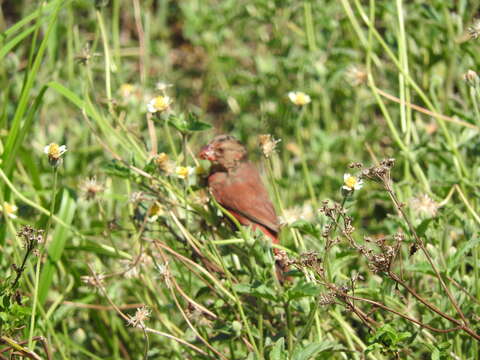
<point>136,261</point>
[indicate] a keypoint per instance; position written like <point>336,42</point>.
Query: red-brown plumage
<point>236,185</point>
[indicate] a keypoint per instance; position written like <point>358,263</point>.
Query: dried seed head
<point>474,30</point>
<point>424,206</point>
<point>356,75</point>
<point>31,237</point>
<point>95,281</point>
<point>268,144</point>
<point>327,299</point>
<point>90,188</point>
<point>141,315</point>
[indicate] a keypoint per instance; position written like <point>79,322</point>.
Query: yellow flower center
<point>155,210</point>
<point>182,172</point>
<point>8,208</point>
<point>161,103</point>
<point>350,182</point>
<point>301,99</point>
<point>54,151</point>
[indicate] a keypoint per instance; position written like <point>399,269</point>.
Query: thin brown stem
<point>421,244</point>
<point>147,329</point>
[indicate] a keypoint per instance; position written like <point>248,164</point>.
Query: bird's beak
<point>207,153</point>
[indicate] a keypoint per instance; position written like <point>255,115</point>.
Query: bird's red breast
<point>236,185</point>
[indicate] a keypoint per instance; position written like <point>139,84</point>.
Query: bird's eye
<point>221,150</point>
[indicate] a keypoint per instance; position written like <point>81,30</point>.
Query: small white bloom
<point>159,104</point>
<point>299,98</point>
<point>184,172</point>
<point>9,210</point>
<point>351,182</point>
<point>55,152</point>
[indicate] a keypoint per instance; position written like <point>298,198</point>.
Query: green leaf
<point>188,124</point>
<point>309,351</point>
<point>116,168</point>
<point>306,227</point>
<point>464,248</point>
<point>302,290</point>
<point>422,228</point>
<point>278,351</point>
<point>256,289</point>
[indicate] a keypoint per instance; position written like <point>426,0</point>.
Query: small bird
<point>236,185</point>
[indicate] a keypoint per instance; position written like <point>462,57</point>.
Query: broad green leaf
<point>278,351</point>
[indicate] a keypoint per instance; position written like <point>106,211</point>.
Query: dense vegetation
<point>112,248</point>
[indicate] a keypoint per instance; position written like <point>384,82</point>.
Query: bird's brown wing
<point>243,192</point>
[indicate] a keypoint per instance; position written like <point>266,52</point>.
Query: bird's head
<point>224,150</point>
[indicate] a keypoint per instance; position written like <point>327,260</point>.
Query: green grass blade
<point>56,247</point>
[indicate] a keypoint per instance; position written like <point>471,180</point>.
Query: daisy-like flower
<point>126,90</point>
<point>184,172</point>
<point>55,152</point>
<point>159,104</point>
<point>155,211</point>
<point>268,144</point>
<point>299,98</point>
<point>9,210</point>
<point>351,183</point>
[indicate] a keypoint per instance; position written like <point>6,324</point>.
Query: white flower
<point>299,98</point>
<point>183,172</point>
<point>55,152</point>
<point>159,104</point>
<point>351,182</point>
<point>9,210</point>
